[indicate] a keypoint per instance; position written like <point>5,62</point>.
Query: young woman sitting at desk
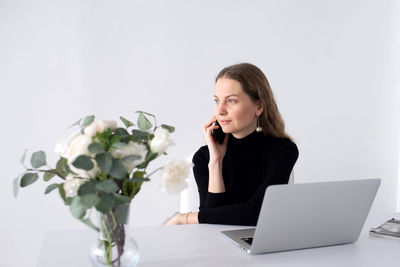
<point>255,151</point>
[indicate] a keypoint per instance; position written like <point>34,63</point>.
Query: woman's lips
<point>223,122</point>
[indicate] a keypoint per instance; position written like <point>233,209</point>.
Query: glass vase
<point>114,246</point>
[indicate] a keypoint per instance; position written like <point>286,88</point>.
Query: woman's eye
<point>232,101</point>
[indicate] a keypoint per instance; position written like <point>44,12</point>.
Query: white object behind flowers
<point>174,176</point>
<point>189,197</point>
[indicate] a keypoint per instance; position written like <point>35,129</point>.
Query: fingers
<point>209,126</point>
<point>172,221</point>
<point>209,123</point>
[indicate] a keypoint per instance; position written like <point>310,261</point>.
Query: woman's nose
<point>220,109</point>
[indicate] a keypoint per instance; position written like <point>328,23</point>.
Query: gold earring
<point>259,128</point>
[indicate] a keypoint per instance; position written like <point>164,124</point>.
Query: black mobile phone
<point>218,134</point>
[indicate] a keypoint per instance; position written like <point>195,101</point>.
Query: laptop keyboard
<point>248,240</point>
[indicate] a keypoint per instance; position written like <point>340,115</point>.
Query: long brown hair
<point>256,85</point>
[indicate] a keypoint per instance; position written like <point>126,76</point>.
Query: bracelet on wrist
<point>187,217</point>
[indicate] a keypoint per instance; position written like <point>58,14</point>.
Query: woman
<point>255,153</point>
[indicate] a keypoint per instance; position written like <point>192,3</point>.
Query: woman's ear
<point>260,108</point>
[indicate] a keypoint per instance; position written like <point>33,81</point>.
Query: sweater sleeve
<point>208,200</point>
<point>281,164</point>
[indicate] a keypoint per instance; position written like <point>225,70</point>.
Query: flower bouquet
<point>102,167</point>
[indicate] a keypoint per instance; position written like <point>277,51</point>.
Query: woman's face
<point>235,111</point>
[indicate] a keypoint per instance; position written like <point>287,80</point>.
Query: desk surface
<point>204,245</point>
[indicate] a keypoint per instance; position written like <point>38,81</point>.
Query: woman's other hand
<point>184,218</point>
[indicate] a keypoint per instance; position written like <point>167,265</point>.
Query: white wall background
<point>333,66</point>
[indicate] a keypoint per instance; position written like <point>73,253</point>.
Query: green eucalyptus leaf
<point>115,139</point>
<point>77,209</point>
<point>170,129</point>
<point>62,167</point>
<point>48,175</point>
<point>22,160</point>
<point>90,200</point>
<point>118,169</point>
<point>121,131</point>
<point>89,223</point>
<point>131,158</point>
<point>108,186</point>
<point>105,161</point>
<point>62,191</point>
<point>140,135</point>
<point>95,148</point>
<point>121,199</point>
<point>143,123</point>
<point>143,112</point>
<point>67,200</point>
<point>51,188</point>
<point>83,162</point>
<point>122,213</point>
<point>107,202</point>
<point>119,145</point>
<point>76,123</point>
<point>126,122</point>
<point>86,121</point>
<point>28,178</point>
<point>16,186</point>
<point>87,188</point>
<point>38,159</point>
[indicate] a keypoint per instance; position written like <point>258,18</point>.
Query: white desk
<point>203,245</point>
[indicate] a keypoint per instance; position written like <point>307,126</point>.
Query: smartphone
<point>218,134</point>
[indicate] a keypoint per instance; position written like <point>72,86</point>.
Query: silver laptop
<point>297,216</point>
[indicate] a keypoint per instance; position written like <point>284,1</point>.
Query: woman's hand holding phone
<point>216,139</point>
<point>218,134</point>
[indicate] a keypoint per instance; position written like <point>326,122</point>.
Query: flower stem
<point>114,220</point>
<point>159,168</point>
<point>107,247</point>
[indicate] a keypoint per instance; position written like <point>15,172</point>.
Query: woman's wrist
<point>191,218</point>
<point>215,181</point>
<point>215,163</point>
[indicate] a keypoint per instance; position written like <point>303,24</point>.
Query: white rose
<point>62,146</point>
<point>79,146</point>
<point>131,148</point>
<point>161,141</point>
<point>99,127</point>
<point>72,185</point>
<point>173,176</point>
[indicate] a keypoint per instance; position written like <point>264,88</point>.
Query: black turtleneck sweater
<point>250,165</point>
